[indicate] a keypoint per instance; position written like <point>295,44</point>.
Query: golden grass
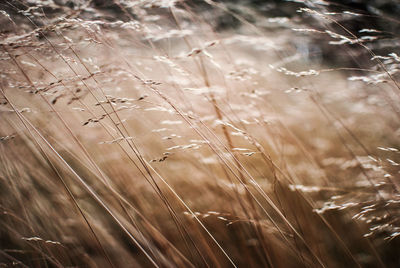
<point>155,140</point>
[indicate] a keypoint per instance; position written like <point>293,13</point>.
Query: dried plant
<point>149,133</point>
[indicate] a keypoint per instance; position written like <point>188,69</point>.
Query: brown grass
<point>137,135</point>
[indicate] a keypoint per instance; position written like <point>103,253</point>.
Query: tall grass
<point>148,133</point>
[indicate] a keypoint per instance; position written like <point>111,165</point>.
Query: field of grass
<point>162,133</point>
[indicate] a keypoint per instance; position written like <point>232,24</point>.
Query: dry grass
<point>137,135</point>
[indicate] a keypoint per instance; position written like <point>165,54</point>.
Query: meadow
<point>165,133</point>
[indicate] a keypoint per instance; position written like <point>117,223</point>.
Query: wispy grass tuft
<point>198,134</point>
